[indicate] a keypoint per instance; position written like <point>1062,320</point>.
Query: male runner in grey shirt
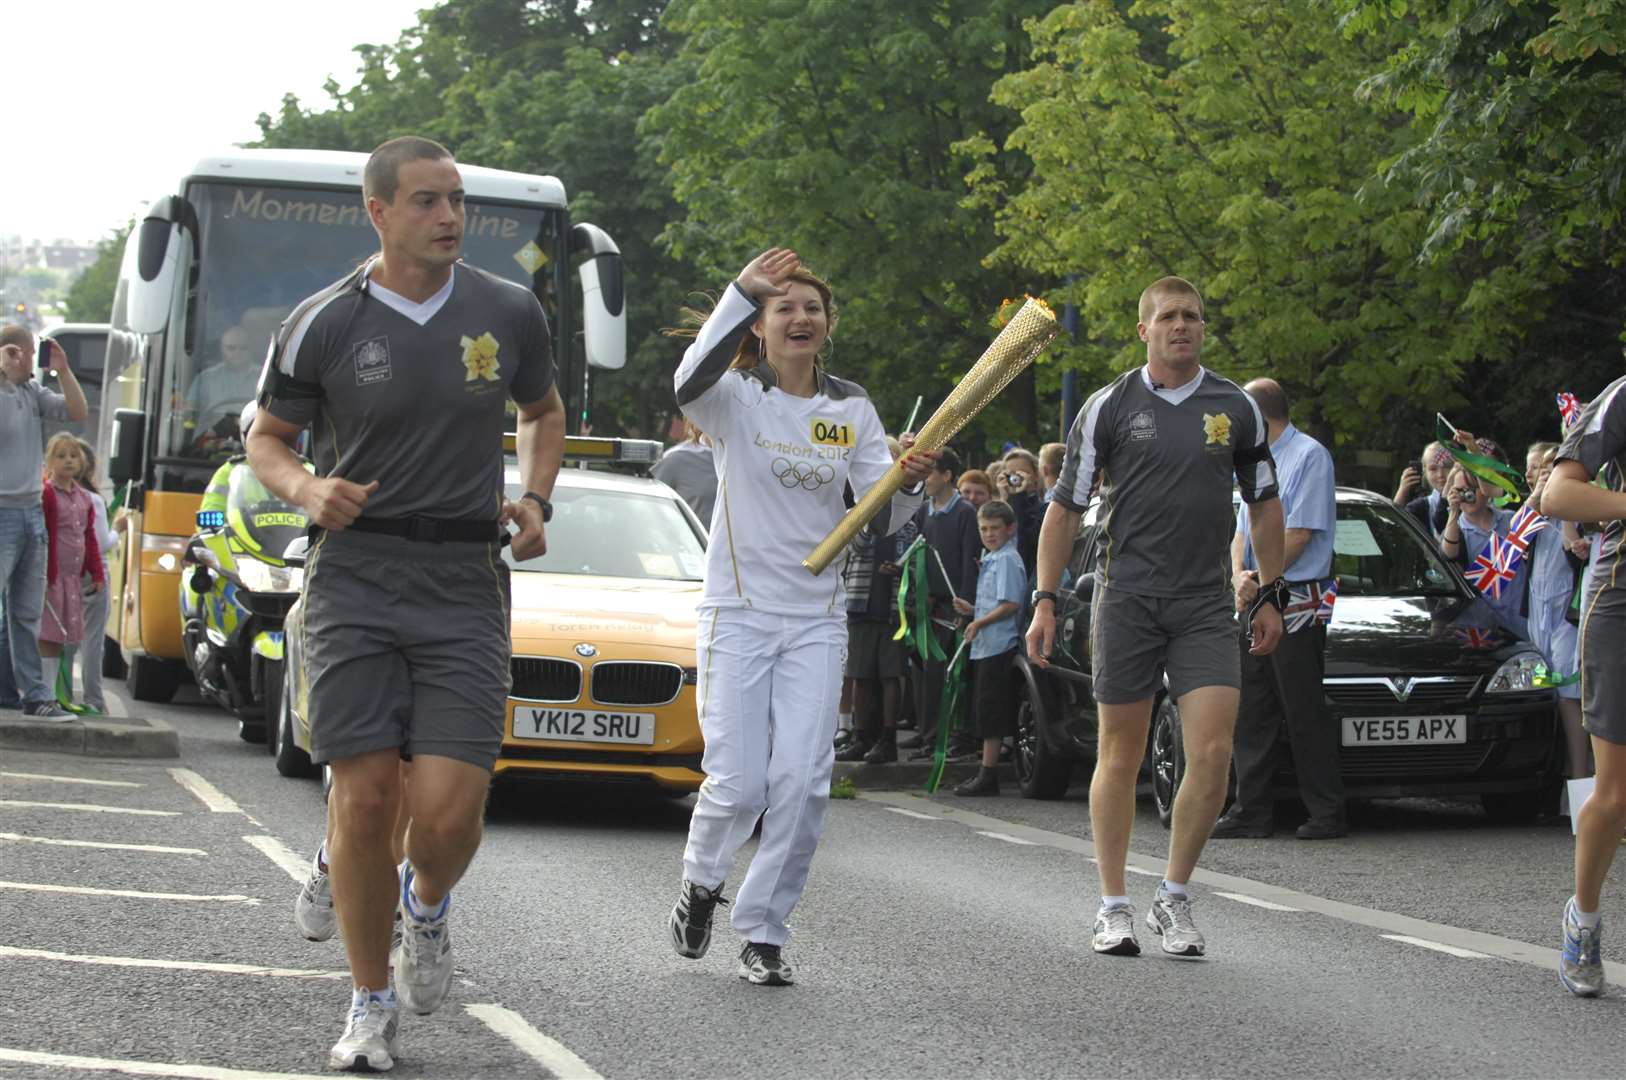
<point>1596,447</point>
<point>402,370</point>
<point>1162,445</point>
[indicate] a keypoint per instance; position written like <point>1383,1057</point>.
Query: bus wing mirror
<point>160,249</point>
<point>604,310</point>
<point>129,436</point>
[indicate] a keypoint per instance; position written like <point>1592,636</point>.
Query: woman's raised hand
<point>766,275</point>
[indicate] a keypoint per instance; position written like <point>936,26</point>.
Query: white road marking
<point>147,1068</point>
<point>278,852</point>
<point>913,814</point>
<point>89,807</point>
<point>1133,869</point>
<point>1254,901</point>
<point>1385,921</point>
<point>211,796</point>
<point>551,1054</point>
<point>1007,838</point>
<point>95,844</point>
<point>1423,943</point>
<point>69,779</point>
<point>169,965</point>
<point>87,891</point>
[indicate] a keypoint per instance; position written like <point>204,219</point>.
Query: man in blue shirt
<point>1281,692</point>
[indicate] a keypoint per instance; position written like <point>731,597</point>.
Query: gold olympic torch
<point>1017,345</point>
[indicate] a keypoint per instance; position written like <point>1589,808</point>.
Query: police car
<point>603,630</point>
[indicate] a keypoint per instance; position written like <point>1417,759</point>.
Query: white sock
<point>360,995</point>
<point>1588,919</point>
<point>1175,889</point>
<point>419,909</point>
<point>321,857</point>
<point>1114,901</point>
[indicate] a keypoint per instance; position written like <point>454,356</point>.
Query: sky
<point>113,98</point>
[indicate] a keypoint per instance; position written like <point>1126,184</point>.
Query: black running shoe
<point>691,918</point>
<point>762,965</point>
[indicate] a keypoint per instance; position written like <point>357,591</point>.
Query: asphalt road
<point>939,937</point>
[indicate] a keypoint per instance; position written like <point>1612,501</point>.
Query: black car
<point>1431,694</point>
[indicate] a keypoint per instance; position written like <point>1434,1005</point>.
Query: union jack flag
<point>1329,597</point>
<point>1490,570</point>
<point>1308,603</point>
<point>1526,523</point>
<point>1473,637</point>
<point>1568,408</point>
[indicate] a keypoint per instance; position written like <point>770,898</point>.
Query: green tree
<point>1223,143</point>
<point>827,126</point>
<point>90,297</point>
<point>1519,161</point>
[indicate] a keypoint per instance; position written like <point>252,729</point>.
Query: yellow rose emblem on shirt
<point>1218,429</point>
<point>480,357</point>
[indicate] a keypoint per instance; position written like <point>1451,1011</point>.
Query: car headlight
<point>257,576</point>
<point>1518,674</point>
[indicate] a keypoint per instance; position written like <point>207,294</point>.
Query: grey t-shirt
<point>1598,442</point>
<point>1164,462</point>
<point>690,469</point>
<point>22,439</point>
<point>417,407</point>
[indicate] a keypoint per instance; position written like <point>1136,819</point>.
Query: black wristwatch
<point>1043,594</point>
<point>547,507</point>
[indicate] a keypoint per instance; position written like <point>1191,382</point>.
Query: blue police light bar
<point>211,519</point>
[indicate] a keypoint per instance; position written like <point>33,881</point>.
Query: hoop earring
<point>829,351</point>
<point>762,349</point>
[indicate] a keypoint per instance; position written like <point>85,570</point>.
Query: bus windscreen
<point>264,249</point>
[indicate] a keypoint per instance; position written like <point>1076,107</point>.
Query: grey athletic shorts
<point>406,647</point>
<point>871,652</point>
<point>1134,639</point>
<point>1603,664</point>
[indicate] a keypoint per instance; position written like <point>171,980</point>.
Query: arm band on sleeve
<point>1251,455</point>
<point>281,385</point>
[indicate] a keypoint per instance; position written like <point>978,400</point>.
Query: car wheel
<point>113,666</point>
<point>151,679</point>
<point>1519,807</point>
<point>290,760</point>
<point>1168,757</point>
<point>1041,773</point>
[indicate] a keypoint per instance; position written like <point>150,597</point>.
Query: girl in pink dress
<point>70,527</point>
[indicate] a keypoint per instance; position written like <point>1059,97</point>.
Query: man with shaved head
<point>1281,692</point>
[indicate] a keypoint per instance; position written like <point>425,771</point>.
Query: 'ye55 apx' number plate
<point>1404,730</point>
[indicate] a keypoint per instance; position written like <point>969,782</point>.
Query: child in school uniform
<point>993,638</point>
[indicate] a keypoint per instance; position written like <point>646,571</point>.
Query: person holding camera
<point>1429,507</point>
<point>1022,489</point>
<point>24,406</point>
<point>1470,522</point>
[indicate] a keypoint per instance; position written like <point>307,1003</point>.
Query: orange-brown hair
<point>750,350</point>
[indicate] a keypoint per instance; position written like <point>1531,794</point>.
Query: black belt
<point>429,530</point>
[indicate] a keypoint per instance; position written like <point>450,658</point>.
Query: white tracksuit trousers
<point>769,689</point>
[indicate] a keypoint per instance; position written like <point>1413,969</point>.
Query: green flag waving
<point>1483,466</point>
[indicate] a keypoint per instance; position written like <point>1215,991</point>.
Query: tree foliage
<point>1519,161</point>
<point>1165,139</point>
<point>829,127</point>
<point>90,297</point>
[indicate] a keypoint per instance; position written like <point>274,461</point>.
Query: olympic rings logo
<point>800,474</point>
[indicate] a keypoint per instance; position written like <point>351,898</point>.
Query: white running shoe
<point>1115,931</point>
<point>423,960</point>
<point>368,1042</point>
<point>1170,918</point>
<point>313,907</point>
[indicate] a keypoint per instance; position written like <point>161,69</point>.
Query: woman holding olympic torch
<point>772,637</point>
